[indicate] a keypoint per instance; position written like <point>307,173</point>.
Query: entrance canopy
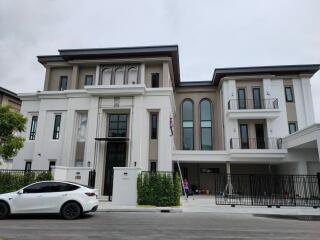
<point>305,139</point>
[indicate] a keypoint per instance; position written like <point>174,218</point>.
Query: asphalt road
<point>158,226</point>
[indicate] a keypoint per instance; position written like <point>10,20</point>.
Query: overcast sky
<point>210,34</point>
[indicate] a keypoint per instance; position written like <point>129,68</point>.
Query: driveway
<point>114,225</point>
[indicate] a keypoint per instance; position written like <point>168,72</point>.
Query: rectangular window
<point>292,127</point>
<point>117,125</point>
<point>33,128</point>
<point>82,122</point>
<point>28,166</point>
<point>242,98</point>
<point>289,94</point>
<point>51,164</point>
<point>153,166</point>
<point>155,80</point>
<point>256,98</point>
<point>88,80</point>
<point>244,136</point>
<point>63,83</point>
<point>154,125</point>
<point>56,128</point>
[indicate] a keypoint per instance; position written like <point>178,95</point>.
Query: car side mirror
<point>20,192</point>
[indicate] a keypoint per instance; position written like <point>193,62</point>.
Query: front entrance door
<point>260,136</point>
<point>115,157</point>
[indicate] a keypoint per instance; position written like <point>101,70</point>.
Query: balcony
<point>243,104</point>
<point>255,143</point>
<point>253,108</point>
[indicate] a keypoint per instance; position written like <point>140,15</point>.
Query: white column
<point>91,132</point>
<point>164,141</point>
<point>307,99</point>
<point>228,169</point>
<point>69,141</point>
<point>142,73</point>
<point>165,75</point>
<point>318,147</point>
<point>96,82</point>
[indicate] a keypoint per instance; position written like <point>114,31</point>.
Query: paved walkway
<point>206,204</point>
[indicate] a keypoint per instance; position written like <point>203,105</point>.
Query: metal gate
<point>267,190</point>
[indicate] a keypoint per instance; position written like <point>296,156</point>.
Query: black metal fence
<point>267,190</point>
<point>92,178</point>
<point>255,143</point>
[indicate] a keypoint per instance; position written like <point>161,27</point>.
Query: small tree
<point>11,122</point>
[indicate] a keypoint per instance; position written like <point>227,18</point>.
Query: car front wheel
<point>71,210</point>
<point>4,210</point>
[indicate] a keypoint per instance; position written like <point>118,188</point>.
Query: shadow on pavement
<point>44,216</point>
<point>290,217</point>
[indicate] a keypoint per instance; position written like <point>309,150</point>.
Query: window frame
<point>152,165</point>
<point>244,145</point>
<point>56,127</point>
<point>259,106</point>
<point>154,129</point>
<point>155,84</point>
<point>245,98</point>
<point>28,166</point>
<point>182,121</point>
<point>33,127</point>
<point>295,124</point>
<point>118,123</point>
<point>291,92</point>
<point>60,83</point>
<point>51,165</point>
<point>86,79</point>
<point>211,121</point>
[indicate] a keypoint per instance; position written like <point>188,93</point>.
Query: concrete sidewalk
<point>206,204</point>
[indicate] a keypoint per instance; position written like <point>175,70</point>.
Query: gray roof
<point>273,70</point>
<point>9,93</point>
<point>125,52</point>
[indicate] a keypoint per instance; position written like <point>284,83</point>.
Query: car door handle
<point>64,195</point>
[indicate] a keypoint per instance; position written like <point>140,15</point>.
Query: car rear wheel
<point>71,210</point>
<point>4,210</point>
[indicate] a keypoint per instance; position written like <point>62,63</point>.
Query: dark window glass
<point>88,80</point>
<point>244,136</point>
<point>154,125</point>
<point>206,125</point>
<point>256,98</point>
<point>187,125</point>
<point>56,128</point>
<point>117,125</point>
<point>241,98</point>
<point>47,187</point>
<point>63,83</point>
<point>33,128</point>
<point>292,127</point>
<point>51,164</point>
<point>289,94</point>
<point>155,80</point>
<point>28,166</point>
<point>153,166</point>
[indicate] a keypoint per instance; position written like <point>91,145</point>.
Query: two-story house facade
<point>127,107</point>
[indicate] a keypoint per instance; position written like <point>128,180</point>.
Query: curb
<point>160,210</point>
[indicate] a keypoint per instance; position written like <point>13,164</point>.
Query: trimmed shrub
<point>158,189</point>
<point>13,181</point>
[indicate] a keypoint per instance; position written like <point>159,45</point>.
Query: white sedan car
<point>66,198</point>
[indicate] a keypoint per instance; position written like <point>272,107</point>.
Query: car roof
<point>69,182</point>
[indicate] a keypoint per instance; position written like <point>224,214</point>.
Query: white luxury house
<point>127,107</point>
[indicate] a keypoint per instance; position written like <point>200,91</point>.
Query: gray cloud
<point>210,33</point>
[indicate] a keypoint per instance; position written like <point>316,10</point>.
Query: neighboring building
<point>102,108</point>
<point>8,98</point>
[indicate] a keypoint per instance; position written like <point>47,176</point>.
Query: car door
<point>29,198</point>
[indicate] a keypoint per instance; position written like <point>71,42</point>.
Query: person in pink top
<point>186,186</point>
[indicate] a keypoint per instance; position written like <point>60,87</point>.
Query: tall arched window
<point>187,124</point>
<point>133,75</point>
<point>206,124</point>
<point>106,76</point>
<point>119,76</point>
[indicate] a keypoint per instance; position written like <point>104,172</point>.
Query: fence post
<point>250,183</point>
<point>318,175</point>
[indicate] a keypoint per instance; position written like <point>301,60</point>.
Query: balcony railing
<point>239,104</point>
<point>255,143</point>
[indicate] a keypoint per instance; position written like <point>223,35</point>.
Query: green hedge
<point>13,181</point>
<point>158,189</point>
